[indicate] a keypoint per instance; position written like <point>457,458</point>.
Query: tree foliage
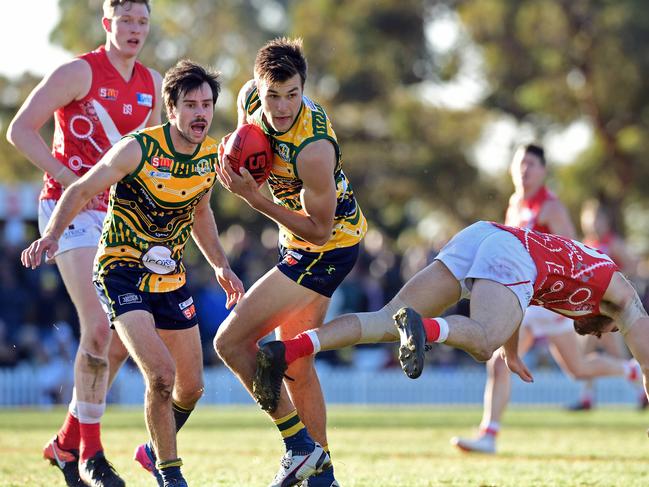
<point>546,62</point>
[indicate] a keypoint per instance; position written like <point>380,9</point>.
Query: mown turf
<point>372,446</point>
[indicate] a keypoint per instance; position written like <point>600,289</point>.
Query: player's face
<point>528,172</point>
<point>192,115</point>
<point>281,102</point>
<point>129,28</point>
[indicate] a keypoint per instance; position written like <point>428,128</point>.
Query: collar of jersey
<point>178,155</point>
<point>271,131</point>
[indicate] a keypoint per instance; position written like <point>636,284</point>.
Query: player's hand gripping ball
<point>248,146</point>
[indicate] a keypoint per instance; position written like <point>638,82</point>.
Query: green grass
<point>378,447</point>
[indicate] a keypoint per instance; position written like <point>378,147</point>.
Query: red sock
<point>490,431</point>
<point>68,436</point>
<point>298,347</point>
<point>90,440</point>
<point>432,329</point>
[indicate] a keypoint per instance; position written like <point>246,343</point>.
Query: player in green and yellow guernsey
<point>161,180</point>
<point>311,124</point>
<point>152,212</point>
<point>321,226</point>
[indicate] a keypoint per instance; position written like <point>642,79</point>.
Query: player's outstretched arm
<point>69,82</point>
<point>509,353</point>
<point>119,161</point>
<point>206,235</point>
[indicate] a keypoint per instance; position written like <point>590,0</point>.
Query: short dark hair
<point>188,76</point>
<point>535,150</point>
<point>281,59</point>
<point>592,325</point>
<point>110,6</point>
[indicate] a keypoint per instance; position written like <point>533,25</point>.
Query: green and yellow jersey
<point>285,184</point>
<point>151,212</point>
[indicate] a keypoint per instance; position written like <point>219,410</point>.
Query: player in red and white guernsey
<point>535,207</point>
<point>95,99</point>
<point>502,270</point>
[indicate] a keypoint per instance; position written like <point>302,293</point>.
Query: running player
<point>321,226</point>
<point>503,270</point>
<point>535,207</point>
<point>163,178</point>
<point>95,99</point>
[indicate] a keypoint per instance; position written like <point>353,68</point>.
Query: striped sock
<point>170,470</point>
<point>436,329</point>
<point>302,345</point>
<point>294,433</point>
<point>181,414</point>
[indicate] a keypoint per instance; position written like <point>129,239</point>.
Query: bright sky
<point>24,36</point>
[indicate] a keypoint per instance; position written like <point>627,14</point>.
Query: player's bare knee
<point>190,395</point>
<point>96,340</point>
<point>161,383</point>
<point>224,347</point>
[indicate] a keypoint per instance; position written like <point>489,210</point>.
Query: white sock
<point>90,413</point>
<point>73,408</point>
<point>313,336</point>
<point>443,330</point>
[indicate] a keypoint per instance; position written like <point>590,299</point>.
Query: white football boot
<point>295,467</point>
<point>482,444</point>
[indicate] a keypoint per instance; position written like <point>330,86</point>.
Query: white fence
<point>20,387</point>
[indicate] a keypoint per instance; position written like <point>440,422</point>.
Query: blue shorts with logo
<point>119,294</point>
<point>321,272</point>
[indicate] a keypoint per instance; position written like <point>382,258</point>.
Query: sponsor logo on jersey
<point>190,312</point>
<point>158,260</point>
<point>202,167</point>
<point>108,94</point>
<point>292,258</point>
<point>129,298</point>
<point>145,99</point>
<point>160,175</point>
<point>187,303</point>
<point>162,163</point>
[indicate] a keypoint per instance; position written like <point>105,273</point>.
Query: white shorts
<point>484,251</point>
<point>545,323</point>
<point>83,231</point>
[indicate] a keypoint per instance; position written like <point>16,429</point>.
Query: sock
<point>68,436</point>
<point>632,370</point>
<point>294,433</point>
<point>301,346</point>
<point>90,440</point>
<point>490,429</point>
<point>89,417</point>
<point>181,415</point>
<point>170,470</point>
<point>436,329</point>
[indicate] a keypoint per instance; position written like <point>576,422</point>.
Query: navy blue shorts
<point>172,310</point>
<point>321,272</point>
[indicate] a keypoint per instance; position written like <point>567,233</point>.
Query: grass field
<point>378,447</point>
